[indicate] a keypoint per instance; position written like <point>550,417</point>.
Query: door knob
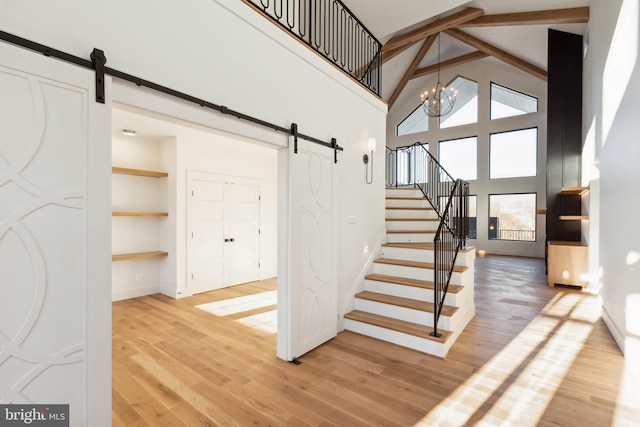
<point>233,240</point>
<point>226,240</point>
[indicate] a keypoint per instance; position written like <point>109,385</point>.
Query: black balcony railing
<point>330,28</point>
<point>524,235</point>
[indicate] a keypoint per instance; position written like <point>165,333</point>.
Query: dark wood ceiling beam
<point>498,53</point>
<point>473,56</point>
<point>412,68</point>
<point>433,28</point>
<point>389,54</point>
<point>577,15</point>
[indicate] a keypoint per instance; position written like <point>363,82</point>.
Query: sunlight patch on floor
<point>240,304</point>
<point>551,341</point>
<point>528,397</point>
<point>265,322</point>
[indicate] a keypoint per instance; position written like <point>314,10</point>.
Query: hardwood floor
<point>531,356</point>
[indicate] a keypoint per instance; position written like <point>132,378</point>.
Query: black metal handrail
<point>415,166</point>
<point>330,28</point>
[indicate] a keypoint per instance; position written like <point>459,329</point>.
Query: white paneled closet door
<point>55,237</point>
<point>223,232</point>
<point>307,286</point>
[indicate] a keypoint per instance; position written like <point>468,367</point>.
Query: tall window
<point>513,154</point>
<point>512,217</point>
<point>459,157</point>
<point>465,109</point>
<point>506,102</point>
<point>415,122</point>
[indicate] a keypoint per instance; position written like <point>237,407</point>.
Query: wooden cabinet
<point>567,263</point>
<point>138,255</point>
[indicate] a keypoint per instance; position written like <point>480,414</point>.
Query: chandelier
<point>438,102</point>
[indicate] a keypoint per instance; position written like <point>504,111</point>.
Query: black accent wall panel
<point>564,133</point>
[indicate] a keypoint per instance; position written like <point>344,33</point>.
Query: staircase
<point>396,304</point>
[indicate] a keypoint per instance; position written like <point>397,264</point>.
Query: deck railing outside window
<point>330,28</point>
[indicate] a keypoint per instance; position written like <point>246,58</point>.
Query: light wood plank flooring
<point>531,356</point>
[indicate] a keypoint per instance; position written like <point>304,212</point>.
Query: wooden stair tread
<point>425,284</point>
<point>422,245</point>
<point>413,219</point>
<point>411,231</point>
<point>417,264</point>
<point>413,304</point>
<point>397,325</point>
<point>407,208</point>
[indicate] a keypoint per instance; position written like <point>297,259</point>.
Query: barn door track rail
<point>98,61</point>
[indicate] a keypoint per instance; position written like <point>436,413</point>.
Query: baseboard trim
<point>358,285</point>
<point>134,293</point>
<point>618,337</point>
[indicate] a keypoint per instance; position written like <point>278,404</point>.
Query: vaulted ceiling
<point>513,31</point>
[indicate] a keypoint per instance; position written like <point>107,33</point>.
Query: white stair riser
<point>403,313</point>
<point>403,192</point>
<point>407,254</point>
<point>405,340</point>
<point>413,272</point>
<point>410,213</point>
<point>407,203</point>
<point>461,318</point>
<point>421,255</point>
<point>413,292</point>
<point>410,237</point>
<point>412,225</point>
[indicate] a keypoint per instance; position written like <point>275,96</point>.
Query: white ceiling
<point>385,18</point>
<point>528,42</point>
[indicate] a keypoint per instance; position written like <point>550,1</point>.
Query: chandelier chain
<point>438,103</point>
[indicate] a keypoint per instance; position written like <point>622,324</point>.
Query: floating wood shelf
<point>573,217</point>
<point>139,214</point>
<point>570,191</point>
<point>139,255</point>
<point>139,172</point>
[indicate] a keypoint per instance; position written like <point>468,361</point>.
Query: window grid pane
<point>513,154</point>
<point>512,217</point>
<point>506,102</point>
<point>415,122</point>
<point>459,157</point>
<point>465,109</point>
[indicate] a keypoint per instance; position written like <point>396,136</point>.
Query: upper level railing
<point>330,28</point>
<point>415,166</point>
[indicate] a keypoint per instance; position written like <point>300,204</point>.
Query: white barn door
<point>55,237</point>
<point>306,271</point>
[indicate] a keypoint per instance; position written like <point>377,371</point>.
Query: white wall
<point>484,72</point>
<point>611,129</point>
<point>234,159</point>
<point>227,53</point>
